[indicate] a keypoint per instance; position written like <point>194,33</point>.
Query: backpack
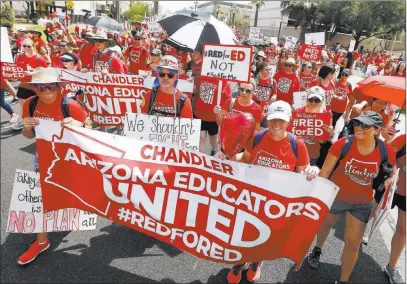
<point>292,137</point>
<point>180,103</point>
<point>64,106</point>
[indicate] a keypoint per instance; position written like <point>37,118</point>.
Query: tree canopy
<point>136,12</point>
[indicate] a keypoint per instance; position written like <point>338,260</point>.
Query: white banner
<point>290,42</point>
<point>183,132</point>
<point>299,99</point>
<point>352,45</point>
<point>272,71</point>
<point>26,210</point>
<point>254,33</point>
<point>315,38</point>
<point>230,62</point>
<point>5,54</point>
<point>153,27</point>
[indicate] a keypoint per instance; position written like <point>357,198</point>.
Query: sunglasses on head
<point>51,87</point>
<point>27,46</point>
<point>362,125</point>
<point>314,100</point>
<point>243,90</point>
<point>163,75</point>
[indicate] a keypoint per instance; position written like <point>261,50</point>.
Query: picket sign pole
<point>220,83</point>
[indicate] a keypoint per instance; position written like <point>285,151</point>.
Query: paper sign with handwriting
<point>183,132</point>
<point>26,214</point>
<point>231,62</point>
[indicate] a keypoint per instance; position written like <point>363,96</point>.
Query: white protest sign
<point>384,206</point>
<point>371,67</point>
<point>315,38</point>
<point>26,210</point>
<point>184,132</point>
<point>230,62</point>
<point>299,99</point>
<point>290,42</point>
<point>272,70</point>
<point>254,33</point>
<point>352,45</point>
<point>153,27</point>
<point>5,54</point>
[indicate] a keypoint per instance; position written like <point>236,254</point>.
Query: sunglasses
<point>345,75</point>
<point>137,38</point>
<point>288,65</point>
<point>27,46</point>
<point>314,100</point>
<point>153,54</point>
<point>362,125</point>
<point>247,91</point>
<point>99,40</point>
<point>67,60</point>
<point>163,75</point>
<point>51,87</point>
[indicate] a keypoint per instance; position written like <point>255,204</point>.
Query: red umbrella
<point>390,89</point>
<point>55,14</point>
<point>68,17</point>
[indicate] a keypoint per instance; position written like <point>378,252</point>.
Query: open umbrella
<point>190,30</point>
<point>105,23</point>
<point>390,89</point>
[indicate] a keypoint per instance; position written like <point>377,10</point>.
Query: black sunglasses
<point>67,60</point>
<point>100,40</point>
<point>169,75</point>
<point>362,125</point>
<point>314,100</point>
<point>288,65</point>
<point>50,86</point>
<point>346,75</point>
<point>27,46</point>
<point>243,90</point>
<point>137,38</point>
<point>62,45</point>
<point>153,54</point>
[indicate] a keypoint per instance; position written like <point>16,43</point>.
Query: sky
<point>172,6</point>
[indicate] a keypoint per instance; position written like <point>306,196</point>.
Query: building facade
<point>269,18</point>
<point>245,10</point>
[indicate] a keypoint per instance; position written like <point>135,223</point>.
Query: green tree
<point>243,24</point>
<point>136,12</point>
<point>374,19</point>
<point>233,11</point>
<point>217,10</point>
<point>7,16</point>
<point>330,14</point>
<point>258,5</point>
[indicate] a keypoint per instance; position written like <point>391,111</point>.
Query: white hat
<point>116,48</point>
<point>291,61</point>
<point>316,92</point>
<point>169,62</point>
<point>261,53</point>
<point>279,110</point>
<point>44,76</point>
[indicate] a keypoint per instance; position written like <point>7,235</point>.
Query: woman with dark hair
<point>306,77</point>
<point>324,80</point>
<point>400,70</point>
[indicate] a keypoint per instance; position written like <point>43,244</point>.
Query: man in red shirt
<point>287,82</point>
<point>160,100</point>
<point>136,54</point>
<point>104,60</point>
<point>87,51</point>
<point>48,106</point>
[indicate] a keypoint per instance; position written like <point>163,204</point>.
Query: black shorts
<point>398,200</point>
<point>24,94</point>
<point>211,126</point>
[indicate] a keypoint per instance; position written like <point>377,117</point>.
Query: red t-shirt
<point>2,83</point>
<point>39,42</point>
<point>137,57</point>
<point>88,50</point>
<point>207,94</point>
<point>102,63</point>
<point>254,108</point>
<point>398,143</point>
<point>30,63</point>
<point>340,98</point>
<point>287,84</point>
<point>54,111</point>
<point>164,105</point>
<point>355,173</point>
<point>305,80</point>
<point>329,90</point>
<point>278,154</point>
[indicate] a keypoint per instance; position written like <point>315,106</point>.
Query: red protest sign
<point>310,125</point>
<point>11,71</point>
<point>194,202</point>
<point>311,53</point>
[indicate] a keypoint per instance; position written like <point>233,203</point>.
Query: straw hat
<point>44,76</point>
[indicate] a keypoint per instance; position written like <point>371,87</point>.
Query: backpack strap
<point>346,146</point>
<point>32,105</point>
<point>152,99</point>
<point>293,144</point>
<point>109,62</point>
<point>65,107</point>
<point>258,137</point>
<point>401,152</point>
<point>180,104</point>
<point>232,103</point>
<point>383,150</point>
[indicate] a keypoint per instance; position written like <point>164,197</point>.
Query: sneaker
<point>394,275</point>
<point>34,250</point>
<point>234,277</point>
<point>15,101</point>
<point>18,126</point>
<point>253,273</point>
<point>14,118</point>
<point>213,153</point>
<point>365,239</point>
<point>314,256</point>
<point>341,282</point>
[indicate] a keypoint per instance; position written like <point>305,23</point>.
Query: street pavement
<point>113,253</point>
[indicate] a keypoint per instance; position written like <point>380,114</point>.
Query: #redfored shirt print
<point>355,173</point>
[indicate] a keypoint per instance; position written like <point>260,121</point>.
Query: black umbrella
<point>105,23</point>
<point>188,29</point>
